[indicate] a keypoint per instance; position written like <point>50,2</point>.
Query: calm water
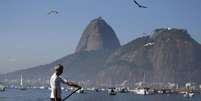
<point>43,95</point>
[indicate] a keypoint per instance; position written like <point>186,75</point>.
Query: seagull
<point>140,6</point>
<point>53,12</point>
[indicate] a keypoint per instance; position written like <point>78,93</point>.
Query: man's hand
<point>77,86</point>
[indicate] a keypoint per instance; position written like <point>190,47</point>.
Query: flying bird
<point>139,5</point>
<point>53,12</point>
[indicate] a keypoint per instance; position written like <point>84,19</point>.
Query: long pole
<point>71,94</point>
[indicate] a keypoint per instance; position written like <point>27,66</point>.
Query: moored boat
<point>21,84</point>
<point>112,91</point>
<point>143,91</point>
<point>188,95</point>
<point>2,88</point>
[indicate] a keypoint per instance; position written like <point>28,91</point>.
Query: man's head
<point>59,69</point>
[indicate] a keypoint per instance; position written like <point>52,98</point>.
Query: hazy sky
<point>30,37</point>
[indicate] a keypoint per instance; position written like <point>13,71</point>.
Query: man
<point>55,83</point>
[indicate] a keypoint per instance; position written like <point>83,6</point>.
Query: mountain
<point>167,55</point>
<point>98,35</point>
<point>78,66</point>
<point>98,41</point>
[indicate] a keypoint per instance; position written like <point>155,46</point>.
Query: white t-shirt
<point>55,83</point>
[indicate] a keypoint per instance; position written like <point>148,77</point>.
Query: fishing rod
<point>71,94</point>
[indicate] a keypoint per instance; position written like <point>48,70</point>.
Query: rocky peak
<point>173,33</point>
<point>98,35</point>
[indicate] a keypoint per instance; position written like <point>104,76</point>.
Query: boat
<point>164,91</point>
<point>42,87</point>
<point>2,88</point>
<point>111,91</point>
<point>82,91</point>
<point>21,84</point>
<point>143,91</point>
<point>123,90</point>
<point>62,88</point>
<point>188,94</point>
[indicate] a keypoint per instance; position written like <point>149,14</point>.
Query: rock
<point>98,35</point>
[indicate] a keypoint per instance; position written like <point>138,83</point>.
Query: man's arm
<point>70,83</point>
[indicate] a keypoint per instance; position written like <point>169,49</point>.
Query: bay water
<point>43,95</point>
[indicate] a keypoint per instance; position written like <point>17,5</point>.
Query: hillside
<point>167,55</point>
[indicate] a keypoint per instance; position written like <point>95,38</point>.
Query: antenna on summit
<point>100,18</point>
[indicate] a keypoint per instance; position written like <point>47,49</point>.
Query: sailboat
<point>142,89</point>
<point>2,88</point>
<point>21,84</point>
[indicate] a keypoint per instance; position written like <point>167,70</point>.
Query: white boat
<point>112,91</point>
<point>102,89</point>
<point>62,88</point>
<point>2,88</point>
<point>42,87</point>
<point>123,90</point>
<point>21,84</point>
<point>188,95</point>
<point>142,91</point>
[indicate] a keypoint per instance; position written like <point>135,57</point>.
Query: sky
<point>30,37</point>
